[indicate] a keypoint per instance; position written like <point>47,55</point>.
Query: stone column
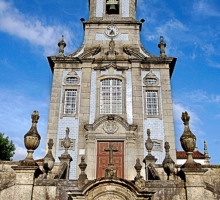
<point>194,183</point>
<point>24,182</point>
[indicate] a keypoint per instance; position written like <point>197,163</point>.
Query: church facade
<point>111,90</point>
<point>110,131</point>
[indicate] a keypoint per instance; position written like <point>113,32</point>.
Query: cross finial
<point>111,149</point>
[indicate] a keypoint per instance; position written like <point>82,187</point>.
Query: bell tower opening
<point>112,7</point>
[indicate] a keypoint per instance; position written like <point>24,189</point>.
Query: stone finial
<point>32,140</point>
<point>62,45</point>
<point>82,177</point>
<point>206,153</point>
<point>149,143</point>
<point>188,143</point>
<point>49,159</point>
<point>138,168</point>
<point>168,163</point>
<point>65,157</point>
<point>82,165</point>
<point>139,180</point>
<point>149,159</point>
<point>162,46</point>
<point>149,146</point>
<point>66,142</point>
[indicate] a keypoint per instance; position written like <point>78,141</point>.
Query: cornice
<point>64,59</point>
<point>110,22</point>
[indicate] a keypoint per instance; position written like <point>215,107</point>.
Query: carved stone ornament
<point>110,127</point>
<point>32,140</point>
<point>168,163</point>
<point>138,167</point>
<point>139,180</point>
<point>82,177</point>
<point>149,143</point>
<point>162,46</point>
<point>188,143</point>
<point>49,159</point>
<point>149,146</point>
<point>66,142</point>
<point>140,183</point>
<point>62,45</point>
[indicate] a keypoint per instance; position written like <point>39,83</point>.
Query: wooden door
<point>103,158</point>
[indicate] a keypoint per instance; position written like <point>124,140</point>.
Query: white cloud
<point>205,8</point>
<point>20,153</point>
<point>15,117</point>
<point>31,29</point>
<point>202,97</point>
<point>178,109</point>
<point>213,63</point>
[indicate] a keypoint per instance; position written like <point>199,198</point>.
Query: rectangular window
<point>111,96</point>
<point>70,101</point>
<point>152,102</point>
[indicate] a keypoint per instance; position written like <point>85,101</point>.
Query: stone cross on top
<point>111,149</point>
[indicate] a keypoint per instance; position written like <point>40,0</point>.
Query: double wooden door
<point>103,158</point>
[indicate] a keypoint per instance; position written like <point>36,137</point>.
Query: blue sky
<point>30,31</point>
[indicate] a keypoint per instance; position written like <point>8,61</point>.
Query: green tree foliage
<point>7,147</point>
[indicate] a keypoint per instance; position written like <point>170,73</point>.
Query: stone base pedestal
<point>149,159</point>
<point>24,182</point>
<point>194,183</point>
<point>67,159</point>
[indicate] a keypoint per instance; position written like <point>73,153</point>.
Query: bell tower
<point>110,92</point>
<point>107,10</point>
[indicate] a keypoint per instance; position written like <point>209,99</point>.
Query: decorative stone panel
<point>129,109</point>
<point>99,8</point>
<point>101,36</point>
<point>125,8</point>
<point>92,97</point>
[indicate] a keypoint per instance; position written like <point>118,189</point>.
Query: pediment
<point>116,118</point>
<point>113,65</point>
